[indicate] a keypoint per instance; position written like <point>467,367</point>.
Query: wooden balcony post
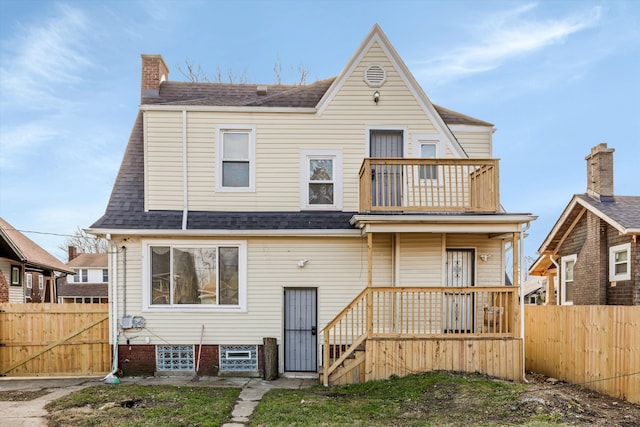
<point>326,362</point>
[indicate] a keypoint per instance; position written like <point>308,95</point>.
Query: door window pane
<point>229,275</point>
<point>160,275</point>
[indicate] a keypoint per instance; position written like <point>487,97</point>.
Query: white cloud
<point>504,37</point>
<point>43,57</point>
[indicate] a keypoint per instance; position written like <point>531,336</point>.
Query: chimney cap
<point>600,148</point>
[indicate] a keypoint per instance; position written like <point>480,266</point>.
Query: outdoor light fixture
<point>376,97</point>
<point>485,257</point>
<point>302,262</point>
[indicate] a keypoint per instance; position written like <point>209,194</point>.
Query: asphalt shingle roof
<point>15,245</point>
<point>89,261</point>
<point>625,210</point>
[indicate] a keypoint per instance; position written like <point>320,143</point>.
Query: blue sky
<point>555,77</point>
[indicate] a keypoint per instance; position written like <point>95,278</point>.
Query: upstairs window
<point>321,186</point>
<point>428,150</point>
<point>236,160</point>
<point>620,262</point>
<point>567,284</point>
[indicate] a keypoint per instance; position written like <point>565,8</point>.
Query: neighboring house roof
<point>620,212</point>
<point>66,289</point>
<point>533,284</point>
<point>89,261</point>
<point>17,246</point>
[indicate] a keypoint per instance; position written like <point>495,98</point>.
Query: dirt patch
<point>576,405</point>
<point>22,395</point>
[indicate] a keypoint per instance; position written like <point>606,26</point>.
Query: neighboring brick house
<point>594,243</point>
<point>274,211</point>
<point>90,282</point>
<point>28,273</point>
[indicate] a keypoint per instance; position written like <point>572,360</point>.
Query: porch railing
<point>419,312</point>
<point>429,185</point>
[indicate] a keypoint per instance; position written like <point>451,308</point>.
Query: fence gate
<point>54,339</point>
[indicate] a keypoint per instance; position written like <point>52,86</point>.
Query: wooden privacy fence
<point>54,339</point>
<point>594,346</point>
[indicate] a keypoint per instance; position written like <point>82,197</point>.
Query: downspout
<point>124,280</point>
<point>111,378</point>
<point>185,206</point>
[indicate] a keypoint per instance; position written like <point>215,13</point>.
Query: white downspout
<point>113,251</point>
<point>185,206</point>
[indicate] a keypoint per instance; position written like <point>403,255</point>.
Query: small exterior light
<point>376,97</point>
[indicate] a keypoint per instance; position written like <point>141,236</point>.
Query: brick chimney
<point>600,173</point>
<point>154,72</point>
<point>73,252</point>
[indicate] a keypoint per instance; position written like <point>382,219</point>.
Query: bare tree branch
<point>85,243</point>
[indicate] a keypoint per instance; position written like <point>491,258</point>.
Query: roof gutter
<point>226,108</point>
<point>226,232</point>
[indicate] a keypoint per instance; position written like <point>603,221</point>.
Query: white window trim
<point>563,294</point>
<point>428,138</point>
<point>241,307</point>
<point>41,282</point>
<point>305,156</point>
<point>405,132</point>
<point>29,280</point>
<point>613,277</point>
<point>251,130</point>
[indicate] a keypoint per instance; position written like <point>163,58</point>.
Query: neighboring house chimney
<point>154,72</point>
<point>73,252</point>
<point>600,173</point>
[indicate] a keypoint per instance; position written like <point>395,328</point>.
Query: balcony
<point>429,185</point>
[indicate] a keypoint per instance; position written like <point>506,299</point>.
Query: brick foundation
<point>140,360</point>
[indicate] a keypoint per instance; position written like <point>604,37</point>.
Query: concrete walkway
<point>32,413</point>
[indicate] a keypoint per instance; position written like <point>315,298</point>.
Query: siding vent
<point>238,358</point>
<point>375,75</point>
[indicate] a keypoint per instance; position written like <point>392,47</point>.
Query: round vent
<point>375,75</point>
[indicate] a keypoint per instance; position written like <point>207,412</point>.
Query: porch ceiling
<point>502,223</point>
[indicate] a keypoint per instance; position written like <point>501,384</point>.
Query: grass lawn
<point>136,405</point>
<point>428,399</point>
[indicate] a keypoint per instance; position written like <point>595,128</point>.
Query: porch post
<point>551,289</point>
<point>369,298</point>
<point>516,283</point>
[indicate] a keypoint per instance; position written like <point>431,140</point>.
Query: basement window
<point>620,262</point>
<point>238,358</point>
<point>174,358</point>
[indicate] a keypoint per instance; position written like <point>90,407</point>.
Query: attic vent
<point>375,75</point>
<point>262,90</point>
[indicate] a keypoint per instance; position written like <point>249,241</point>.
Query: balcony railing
<point>429,185</point>
<point>426,312</point>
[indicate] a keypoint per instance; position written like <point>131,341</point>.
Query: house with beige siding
<point>351,220</point>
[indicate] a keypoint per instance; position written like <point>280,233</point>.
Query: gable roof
<point>89,261</point>
<point>376,35</point>
<point>17,246</point>
<point>622,213</point>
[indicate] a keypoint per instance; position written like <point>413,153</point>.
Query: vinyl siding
<point>16,293</point>
<point>476,144</point>
<point>336,267</point>
<point>420,261</point>
<point>343,125</point>
<point>163,161</point>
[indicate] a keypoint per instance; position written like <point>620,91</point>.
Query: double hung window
<point>236,159</point>
<point>15,276</point>
<point>321,171</point>
<point>567,288</point>
<point>619,262</point>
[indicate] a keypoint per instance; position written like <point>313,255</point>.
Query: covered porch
<point>442,324</point>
